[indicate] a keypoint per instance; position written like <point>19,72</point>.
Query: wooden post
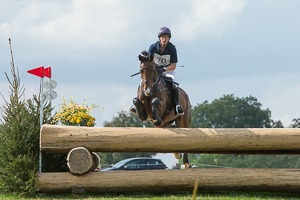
<point>62,139</point>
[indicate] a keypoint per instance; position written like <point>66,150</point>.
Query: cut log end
<point>96,161</point>
<point>80,160</point>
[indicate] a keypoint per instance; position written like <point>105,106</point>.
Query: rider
<point>165,56</point>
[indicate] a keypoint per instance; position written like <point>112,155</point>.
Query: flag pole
<point>41,119</point>
<point>39,71</point>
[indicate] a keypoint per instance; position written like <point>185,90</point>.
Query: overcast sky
<point>240,47</point>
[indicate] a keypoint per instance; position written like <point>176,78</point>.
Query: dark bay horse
<point>154,100</point>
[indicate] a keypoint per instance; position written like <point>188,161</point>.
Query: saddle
<point>168,81</point>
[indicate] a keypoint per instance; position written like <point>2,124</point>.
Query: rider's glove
<point>161,69</point>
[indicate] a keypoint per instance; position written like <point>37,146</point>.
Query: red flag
<point>37,71</point>
<point>47,72</point>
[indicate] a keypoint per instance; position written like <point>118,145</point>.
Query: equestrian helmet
<point>164,31</point>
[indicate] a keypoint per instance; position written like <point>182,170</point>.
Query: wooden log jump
<point>62,139</point>
<point>81,141</point>
<point>285,180</point>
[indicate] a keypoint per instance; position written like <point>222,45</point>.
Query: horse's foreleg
<point>154,107</point>
<point>140,109</point>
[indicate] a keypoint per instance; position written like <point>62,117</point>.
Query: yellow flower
<point>78,120</point>
<point>73,114</point>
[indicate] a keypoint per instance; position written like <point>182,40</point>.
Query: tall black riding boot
<point>178,108</point>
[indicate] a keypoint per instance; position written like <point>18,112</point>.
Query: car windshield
<point>139,163</point>
<point>119,164</point>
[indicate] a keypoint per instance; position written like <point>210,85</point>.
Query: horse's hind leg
<point>183,122</point>
<point>185,160</point>
<point>140,109</point>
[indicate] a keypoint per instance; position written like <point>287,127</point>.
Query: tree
<point>19,138</point>
<point>246,161</point>
<point>232,112</point>
<point>17,154</point>
<point>124,119</point>
<point>296,123</point>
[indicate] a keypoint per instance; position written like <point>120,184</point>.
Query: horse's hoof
<point>133,109</point>
<point>157,122</point>
<point>186,165</point>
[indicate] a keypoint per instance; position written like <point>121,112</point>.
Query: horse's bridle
<point>155,82</point>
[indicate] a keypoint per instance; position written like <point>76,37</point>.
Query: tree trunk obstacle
<point>285,180</point>
<point>62,139</point>
<point>81,142</point>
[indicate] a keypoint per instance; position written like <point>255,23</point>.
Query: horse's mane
<point>144,56</point>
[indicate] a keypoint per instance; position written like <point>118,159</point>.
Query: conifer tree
<point>19,137</point>
<point>17,157</point>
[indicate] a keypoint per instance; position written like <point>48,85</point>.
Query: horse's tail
<point>187,108</point>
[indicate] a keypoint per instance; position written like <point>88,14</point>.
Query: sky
<point>240,47</point>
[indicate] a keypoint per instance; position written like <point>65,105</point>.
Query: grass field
<point>178,196</point>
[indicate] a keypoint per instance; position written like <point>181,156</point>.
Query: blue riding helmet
<point>164,31</point>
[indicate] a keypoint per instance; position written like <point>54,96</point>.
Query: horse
<point>154,101</point>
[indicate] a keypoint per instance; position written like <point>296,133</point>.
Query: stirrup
<point>133,109</point>
<point>179,110</point>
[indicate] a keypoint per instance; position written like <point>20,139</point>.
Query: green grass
<point>178,196</point>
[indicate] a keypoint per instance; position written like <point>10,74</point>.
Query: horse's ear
<point>141,57</point>
<point>144,53</point>
<point>144,56</point>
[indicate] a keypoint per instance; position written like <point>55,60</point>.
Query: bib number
<point>161,60</point>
